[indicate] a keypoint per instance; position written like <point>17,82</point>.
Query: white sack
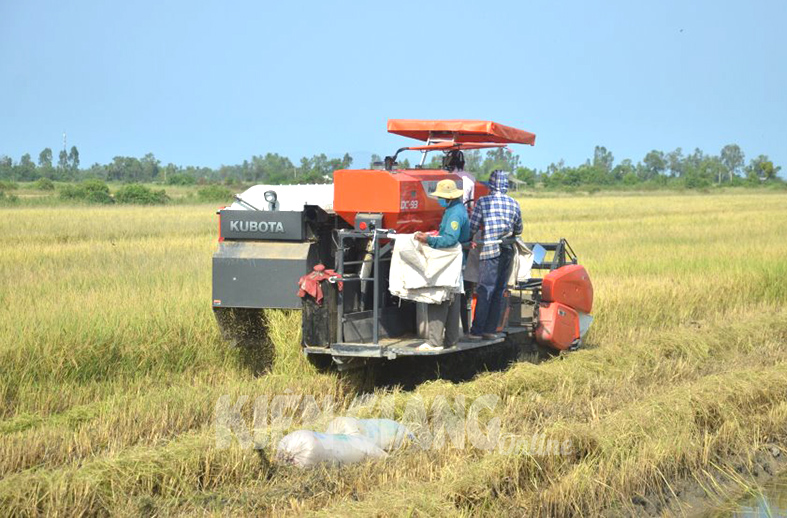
<point>385,433</point>
<point>522,263</point>
<point>304,448</point>
<point>422,273</point>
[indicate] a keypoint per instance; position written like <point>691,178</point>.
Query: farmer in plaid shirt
<point>500,217</point>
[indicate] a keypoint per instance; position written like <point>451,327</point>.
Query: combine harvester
<point>272,235</point>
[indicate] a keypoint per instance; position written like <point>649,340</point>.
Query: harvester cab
<point>338,238</point>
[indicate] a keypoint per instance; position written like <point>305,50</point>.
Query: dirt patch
<point>707,494</point>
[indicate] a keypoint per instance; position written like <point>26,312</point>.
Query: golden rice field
<point>111,366</point>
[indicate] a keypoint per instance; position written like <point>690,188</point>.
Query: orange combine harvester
<point>341,235</point>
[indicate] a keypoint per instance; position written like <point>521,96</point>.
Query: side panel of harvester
<point>566,301</point>
<point>248,274</point>
<point>260,256</point>
<point>569,285</point>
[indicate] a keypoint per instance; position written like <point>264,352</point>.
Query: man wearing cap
<point>500,217</point>
<point>454,228</point>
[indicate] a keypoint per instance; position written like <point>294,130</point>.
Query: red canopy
<point>460,131</point>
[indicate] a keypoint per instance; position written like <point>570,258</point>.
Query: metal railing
<point>377,252</point>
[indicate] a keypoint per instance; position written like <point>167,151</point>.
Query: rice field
<point>111,367</point>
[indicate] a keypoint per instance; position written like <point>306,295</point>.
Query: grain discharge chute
<point>342,236</point>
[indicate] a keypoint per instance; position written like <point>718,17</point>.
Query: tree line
<point>271,168</point>
<point>657,168</point>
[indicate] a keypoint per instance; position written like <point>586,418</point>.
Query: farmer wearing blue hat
<point>500,217</point>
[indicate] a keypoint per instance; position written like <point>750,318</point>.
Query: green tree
<point>473,160</point>
<point>150,167</point>
<point>675,163</point>
<point>527,175</point>
<point>97,171</point>
<point>630,178</point>
<point>762,169</point>
<point>498,158</point>
<point>712,169</point>
<point>346,161</point>
<point>171,170</point>
<point>436,162</point>
<point>554,170</point>
<point>654,164</point>
<point>62,162</point>
<point>125,169</point>
<point>272,168</point>
<point>45,158</point>
<point>603,159</point>
<point>624,168</point>
<point>26,168</point>
<point>6,167</point>
<point>594,175</point>
<point>73,159</point>
<point>769,171</point>
<point>694,160</point>
<point>732,158</point>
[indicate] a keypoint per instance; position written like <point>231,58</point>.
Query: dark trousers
<point>443,326</point>
<point>492,278</point>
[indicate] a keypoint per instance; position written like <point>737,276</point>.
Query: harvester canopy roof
<point>460,131</point>
<point>444,146</point>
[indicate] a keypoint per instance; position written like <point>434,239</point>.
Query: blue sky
<point>210,83</point>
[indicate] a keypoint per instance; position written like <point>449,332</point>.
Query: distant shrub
<point>697,182</point>
<point>181,179</point>
<point>630,179</point>
<point>8,186</point>
<point>140,195</point>
<point>91,191</point>
<point>650,186</point>
<point>777,185</point>
<point>44,184</point>
<point>214,193</point>
<point>8,199</point>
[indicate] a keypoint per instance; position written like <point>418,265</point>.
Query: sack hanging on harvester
<point>305,448</point>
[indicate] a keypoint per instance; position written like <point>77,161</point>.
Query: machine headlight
<point>270,196</point>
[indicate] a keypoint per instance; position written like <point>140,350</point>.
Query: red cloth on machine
<point>311,283</point>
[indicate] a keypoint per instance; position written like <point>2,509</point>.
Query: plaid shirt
<point>500,216</point>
